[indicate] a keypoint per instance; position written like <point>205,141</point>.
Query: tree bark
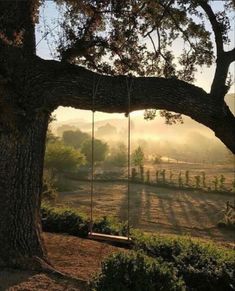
<point>22,148</point>
<point>69,85</point>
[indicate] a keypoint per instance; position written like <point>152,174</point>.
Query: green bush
<point>134,271</point>
<point>203,266</point>
<point>109,225</point>
<point>68,220</point>
<point>49,192</point>
<point>64,220</point>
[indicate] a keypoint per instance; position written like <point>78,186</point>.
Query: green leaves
<point>60,157</point>
<point>137,37</point>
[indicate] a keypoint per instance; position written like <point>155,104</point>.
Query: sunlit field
<point>155,209</point>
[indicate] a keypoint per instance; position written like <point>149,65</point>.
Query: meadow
<point>159,209</point>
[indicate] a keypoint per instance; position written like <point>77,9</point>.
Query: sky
<point>204,75</point>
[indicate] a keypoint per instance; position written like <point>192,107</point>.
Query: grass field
<point>155,209</point>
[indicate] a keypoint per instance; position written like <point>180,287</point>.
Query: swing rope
<point>129,82</point>
<point>129,88</point>
<point>94,92</point>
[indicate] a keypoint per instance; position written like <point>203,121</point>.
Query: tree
<point>118,155</point>
<point>100,150</point>
<point>138,157</point>
<point>60,158</point>
<point>75,138</point>
<point>91,33</point>
<point>106,130</point>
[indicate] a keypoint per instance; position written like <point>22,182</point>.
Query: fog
<point>189,142</point>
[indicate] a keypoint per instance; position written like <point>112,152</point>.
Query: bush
<point>68,220</point>
<point>137,272</point>
<point>109,225</point>
<point>49,192</point>
<point>228,220</point>
<point>64,220</point>
<point>203,266</point>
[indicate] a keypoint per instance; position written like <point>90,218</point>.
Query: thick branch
<point>215,26</point>
<point>224,59</point>
<point>231,55</point>
<point>68,85</point>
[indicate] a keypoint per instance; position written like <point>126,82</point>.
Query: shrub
<point>64,220</point>
<point>68,220</point>
<point>136,272</point>
<point>109,225</point>
<point>49,192</point>
<point>203,266</point>
<point>228,220</point>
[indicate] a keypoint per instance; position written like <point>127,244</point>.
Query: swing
<point>101,236</point>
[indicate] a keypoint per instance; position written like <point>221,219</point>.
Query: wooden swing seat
<point>109,237</point>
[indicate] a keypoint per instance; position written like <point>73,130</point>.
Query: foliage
<point>110,225</point>
<point>133,173</point>
<point>157,160</point>
<point>163,174</point>
<point>71,221</point>
<point>147,176</point>
<point>100,150</point>
<point>216,183</point>
<point>75,138</point>
<point>133,271</point>
<point>138,157</point>
<point>49,192</point>
<point>180,180</point>
<point>229,216</point>
<point>120,30</point>
<point>187,177</point>
<point>197,181</point>
<point>118,156</point>
<point>60,158</point>
<point>50,138</point>
<point>221,182</point>
<point>203,266</point>
<point>204,179</point>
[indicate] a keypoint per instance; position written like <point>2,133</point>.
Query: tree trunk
<point>21,169</point>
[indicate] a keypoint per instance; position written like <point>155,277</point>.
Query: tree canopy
<point>62,158</point>
<point>100,150</point>
<point>75,138</point>
<point>142,38</point>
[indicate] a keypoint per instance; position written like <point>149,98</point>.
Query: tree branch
<point>215,26</point>
<point>224,59</point>
<point>231,55</point>
<point>68,85</point>
<point>43,85</point>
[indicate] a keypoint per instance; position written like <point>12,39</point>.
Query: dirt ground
<point>75,256</point>
<point>156,209</point>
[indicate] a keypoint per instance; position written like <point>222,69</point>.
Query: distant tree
<point>65,127</point>
<point>157,160</point>
<point>118,156</point>
<point>60,158</point>
<point>105,130</point>
<point>100,150</point>
<point>75,138</point>
<point>138,157</point>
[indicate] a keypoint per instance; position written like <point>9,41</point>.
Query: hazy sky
<point>203,76</point>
